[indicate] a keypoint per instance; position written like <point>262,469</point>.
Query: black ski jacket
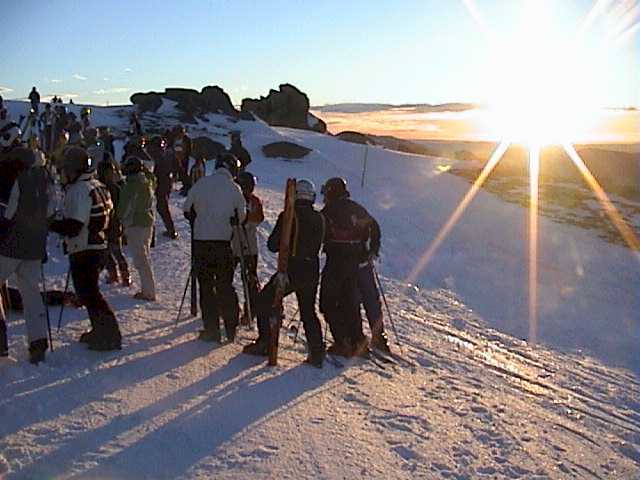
<point>306,239</point>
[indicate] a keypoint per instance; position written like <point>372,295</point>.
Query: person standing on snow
<point>46,125</point>
<point>84,222</point>
<point>348,225</point>
<point>109,175</point>
<point>238,151</point>
<point>303,275</point>
<point>34,98</point>
<point>368,288</point>
<point>23,239</point>
<point>135,212</point>
<point>213,206</point>
<point>247,245</point>
<point>182,149</point>
<point>165,169</point>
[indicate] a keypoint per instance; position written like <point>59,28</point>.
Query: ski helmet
<point>247,182</point>
<point>305,190</point>
<point>9,135</point>
<point>76,162</point>
<point>230,162</point>
<point>132,165</point>
<point>335,188</point>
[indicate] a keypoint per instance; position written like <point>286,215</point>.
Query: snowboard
<point>283,261</point>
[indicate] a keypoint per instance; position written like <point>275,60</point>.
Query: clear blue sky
<point>397,51</point>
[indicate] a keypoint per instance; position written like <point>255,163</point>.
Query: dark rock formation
<point>286,107</point>
<point>190,102</point>
<point>285,150</point>
<point>205,147</point>
<point>354,137</point>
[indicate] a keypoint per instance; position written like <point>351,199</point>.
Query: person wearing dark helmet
<point>23,237</point>
<point>237,150</point>
<point>348,225</point>
<point>165,169</point>
<point>135,212</point>
<point>247,246</point>
<point>303,275</point>
<point>84,223</point>
<point>213,206</point>
<point>116,263</point>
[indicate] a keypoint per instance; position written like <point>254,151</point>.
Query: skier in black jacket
<point>303,275</point>
<point>348,225</point>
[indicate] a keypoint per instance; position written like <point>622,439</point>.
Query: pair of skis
<point>275,320</point>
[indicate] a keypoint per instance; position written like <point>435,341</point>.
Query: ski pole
<point>384,299</point>
<point>184,295</point>
<point>64,295</point>
<point>45,300</point>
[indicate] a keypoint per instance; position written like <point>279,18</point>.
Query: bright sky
<point>396,51</point>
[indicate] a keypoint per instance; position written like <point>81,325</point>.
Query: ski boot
<point>380,342</point>
<point>105,344</point>
<point>361,347</point>
<point>143,296</point>
<point>37,349</point>
<point>341,349</point>
<point>258,348</point>
<point>209,336</point>
<point>87,337</point>
<point>170,235</point>
<point>315,358</point>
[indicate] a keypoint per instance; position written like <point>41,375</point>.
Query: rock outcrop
<point>189,101</point>
<point>285,107</point>
<point>286,150</point>
<point>205,147</point>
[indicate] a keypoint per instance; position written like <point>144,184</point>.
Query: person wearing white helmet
<point>303,274</point>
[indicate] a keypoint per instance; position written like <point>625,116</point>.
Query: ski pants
<point>213,265</point>
<point>251,262</point>
<point>162,206</point>
<point>139,244</point>
<point>115,260</point>
<point>85,272</point>
<point>370,298</point>
<point>340,301</point>
<point>304,283</point>
<point>28,277</point>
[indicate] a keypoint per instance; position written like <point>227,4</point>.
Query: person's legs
<point>225,293</point>
<point>370,299</point>
<point>205,273</point>
<point>28,278</point>
<point>162,206</point>
<point>139,239</point>
<point>7,267</point>
<point>306,295</point>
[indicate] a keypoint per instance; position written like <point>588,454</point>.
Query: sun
<point>543,84</point>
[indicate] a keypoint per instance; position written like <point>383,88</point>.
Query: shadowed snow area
<point>470,400</point>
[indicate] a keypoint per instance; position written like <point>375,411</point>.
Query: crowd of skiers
<point>100,210</point>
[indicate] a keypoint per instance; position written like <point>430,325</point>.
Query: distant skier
<point>303,275</point>
<point>348,225</point>
<point>182,149</point>
<point>105,136</point>
<point>84,222</point>
<point>116,263</point>
<point>238,150</point>
<point>135,212</point>
<point>47,119</point>
<point>34,98</point>
<point>249,240</point>
<point>165,170</point>
<point>23,238</point>
<point>211,206</point>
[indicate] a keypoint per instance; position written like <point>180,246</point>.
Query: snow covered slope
<point>469,401</point>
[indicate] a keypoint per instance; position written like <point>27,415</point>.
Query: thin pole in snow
<point>364,164</point>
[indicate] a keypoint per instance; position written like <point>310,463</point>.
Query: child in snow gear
<point>135,212</point>
<point>23,238</point>
<point>246,242</point>
<point>109,175</point>
<point>238,151</point>
<point>165,169</point>
<point>303,273</point>
<point>84,223</point>
<point>348,226</point>
<point>211,207</point>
